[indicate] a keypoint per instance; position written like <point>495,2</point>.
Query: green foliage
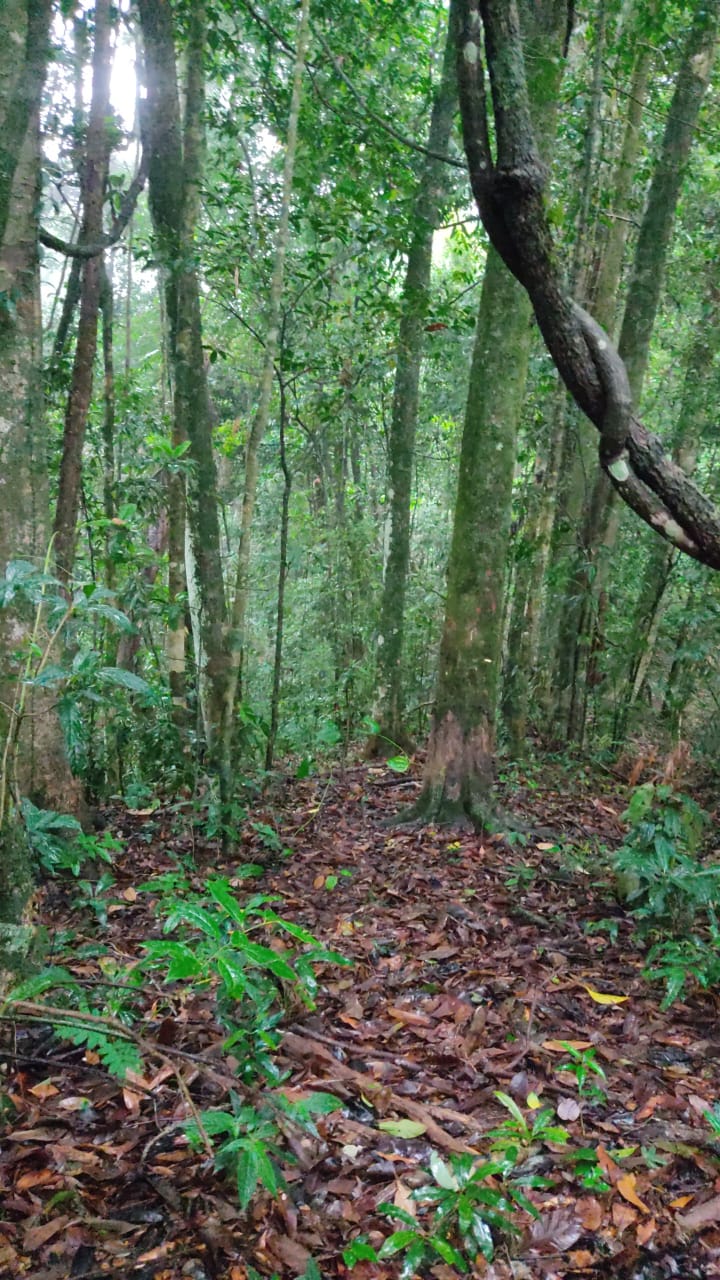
<point>60,844</point>
<point>658,872</point>
<point>465,1206</point>
<point>586,1070</point>
<point>672,894</point>
<point>519,1132</point>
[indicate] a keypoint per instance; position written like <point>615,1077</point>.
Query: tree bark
<point>175,166</point>
<point>509,193</point>
<point>37,760</point>
<point>414,303</point>
<point>460,765</point>
<point>93,182</point>
<point>262,414</point>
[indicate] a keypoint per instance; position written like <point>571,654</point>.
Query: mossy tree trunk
<point>461,753</point>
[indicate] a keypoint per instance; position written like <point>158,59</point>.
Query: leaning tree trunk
<point>461,753</point>
<point>389,711</point>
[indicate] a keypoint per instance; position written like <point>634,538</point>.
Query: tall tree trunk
<point>262,414</point>
<point>644,292</point>
<point>282,579</point>
<point>31,748</point>
<point>93,181</point>
<point>389,711</point>
<point>461,753</point>
<point>694,424</point>
<point>175,175</point>
<point>107,309</point>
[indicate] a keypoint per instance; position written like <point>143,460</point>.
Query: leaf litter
<point>472,976</point>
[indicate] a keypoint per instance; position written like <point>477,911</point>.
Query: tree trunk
<point>460,764</point>
<point>389,712</point>
<point>35,764</point>
<point>695,423</point>
<point>175,165</point>
<point>262,414</point>
<point>602,523</point>
<point>93,181</point>
<point>282,578</point>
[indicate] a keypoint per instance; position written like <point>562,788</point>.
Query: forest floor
<point>472,970</point>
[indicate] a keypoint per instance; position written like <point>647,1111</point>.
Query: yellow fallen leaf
<point>603,997</point>
<point>533,1102</point>
<point>626,1187</point>
<point>562,1046</point>
<point>681,1201</point>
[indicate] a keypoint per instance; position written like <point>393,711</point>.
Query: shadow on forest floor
<point>472,971</point>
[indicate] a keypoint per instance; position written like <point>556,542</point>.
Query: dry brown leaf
<point>409,1017</point>
<point>645,1231</point>
<point>626,1187</point>
<point>590,1212</point>
<point>48,1090</point>
<point>35,1237</point>
<point>402,1198</point>
<point>581,1259</point>
<point>623,1216</point>
<point>701,1215</point>
<point>568,1109</point>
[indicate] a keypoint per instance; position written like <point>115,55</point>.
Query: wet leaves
<point>472,975</point>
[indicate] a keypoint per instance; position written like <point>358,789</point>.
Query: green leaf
<point>397,1241</point>
<point>246,1176</point>
<point>448,1253</point>
<point>441,1173</point>
<point>483,1236</point>
<point>124,679</point>
<point>266,958</point>
<point>359,1251</point>
<point>511,1105</point>
<point>402,1128</point>
<point>220,891</point>
<point>232,974</point>
<point>413,1260</point>
<point>399,764</point>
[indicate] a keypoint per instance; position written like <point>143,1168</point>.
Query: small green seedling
<point>584,1066</point>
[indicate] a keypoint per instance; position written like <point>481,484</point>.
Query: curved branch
<point>510,199</point>
<point>119,223</point>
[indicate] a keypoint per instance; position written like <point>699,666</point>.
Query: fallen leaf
<point>623,1216</point>
<point>680,1202</point>
<point>645,1231</point>
<point>603,997</point>
<point>701,1215</point>
<point>626,1187</point>
<point>47,1090</point>
<point>403,1199</point>
<point>562,1046</point>
<point>581,1259</point>
<point>555,1231</point>
<point>409,1017</point>
<point>38,1178</point>
<point>590,1212</point>
<point>402,1128</point>
<point>35,1237</point>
